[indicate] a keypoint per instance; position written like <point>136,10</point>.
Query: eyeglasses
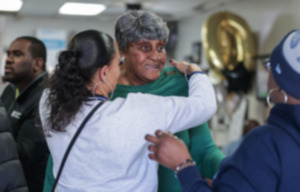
<point>268,65</point>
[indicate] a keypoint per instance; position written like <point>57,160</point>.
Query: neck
<point>21,86</point>
<point>99,89</point>
<point>101,92</point>
<point>24,84</point>
<point>293,100</point>
<point>129,78</point>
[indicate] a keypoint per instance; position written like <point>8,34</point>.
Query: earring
<point>122,59</point>
<point>276,89</point>
<point>111,89</point>
<point>93,91</point>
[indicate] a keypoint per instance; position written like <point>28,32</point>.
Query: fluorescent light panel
<point>88,9</point>
<point>11,5</point>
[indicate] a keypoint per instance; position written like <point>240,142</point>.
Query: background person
<point>110,153</point>
<point>25,69</point>
<point>268,157</point>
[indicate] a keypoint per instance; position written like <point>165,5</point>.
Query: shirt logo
<point>16,114</point>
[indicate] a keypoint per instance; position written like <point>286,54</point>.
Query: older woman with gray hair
<point>141,37</point>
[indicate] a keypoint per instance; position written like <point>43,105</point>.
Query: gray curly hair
<point>138,24</point>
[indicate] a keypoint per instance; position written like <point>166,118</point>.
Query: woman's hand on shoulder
<point>185,67</point>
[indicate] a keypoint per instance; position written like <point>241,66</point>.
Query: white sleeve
<point>195,109</point>
<point>175,113</point>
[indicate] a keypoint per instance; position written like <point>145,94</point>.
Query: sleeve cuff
<point>195,72</point>
<point>189,176</point>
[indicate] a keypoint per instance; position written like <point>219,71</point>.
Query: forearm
<point>191,180</point>
<point>204,151</point>
<point>202,93</point>
<point>200,89</point>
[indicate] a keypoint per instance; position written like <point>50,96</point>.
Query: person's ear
<point>102,73</point>
<point>38,64</point>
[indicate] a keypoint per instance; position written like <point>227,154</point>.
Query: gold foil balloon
<point>227,42</point>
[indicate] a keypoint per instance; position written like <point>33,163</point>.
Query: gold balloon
<point>228,41</point>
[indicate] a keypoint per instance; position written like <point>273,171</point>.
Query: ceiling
<point>167,9</point>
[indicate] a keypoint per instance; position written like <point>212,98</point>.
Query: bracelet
<point>183,165</point>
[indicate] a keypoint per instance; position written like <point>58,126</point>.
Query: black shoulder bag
<point>72,143</point>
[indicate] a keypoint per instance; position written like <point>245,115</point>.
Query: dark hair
<point>138,24</point>
<point>87,52</point>
<point>37,48</point>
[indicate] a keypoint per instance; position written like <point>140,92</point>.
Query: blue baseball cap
<point>285,63</point>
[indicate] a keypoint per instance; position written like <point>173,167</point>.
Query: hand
<point>185,67</point>
<point>167,149</point>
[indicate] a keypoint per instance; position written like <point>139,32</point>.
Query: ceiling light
<point>11,5</point>
<point>88,9</point>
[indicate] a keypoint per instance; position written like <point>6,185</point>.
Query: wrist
<point>184,164</point>
<point>191,68</point>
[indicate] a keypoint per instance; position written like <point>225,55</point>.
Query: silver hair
<point>139,24</point>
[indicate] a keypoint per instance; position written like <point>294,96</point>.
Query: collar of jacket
<point>36,82</point>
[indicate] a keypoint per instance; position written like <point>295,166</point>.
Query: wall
<point>269,20</point>
<point>16,26</point>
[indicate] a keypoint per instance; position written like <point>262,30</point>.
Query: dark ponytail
<point>87,52</point>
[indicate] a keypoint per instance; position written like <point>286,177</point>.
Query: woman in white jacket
<point>110,153</point>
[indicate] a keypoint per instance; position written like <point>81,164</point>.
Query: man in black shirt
<point>25,69</point>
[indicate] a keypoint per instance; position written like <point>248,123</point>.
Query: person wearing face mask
<point>141,37</point>
<point>268,157</point>
<point>110,153</point>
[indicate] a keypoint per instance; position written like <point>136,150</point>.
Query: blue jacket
<point>267,160</point>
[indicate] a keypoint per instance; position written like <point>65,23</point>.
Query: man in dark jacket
<point>25,69</point>
<point>9,160</point>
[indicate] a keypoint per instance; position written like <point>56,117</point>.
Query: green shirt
<point>199,141</point>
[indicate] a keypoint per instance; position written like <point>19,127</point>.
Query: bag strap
<point>72,143</point>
